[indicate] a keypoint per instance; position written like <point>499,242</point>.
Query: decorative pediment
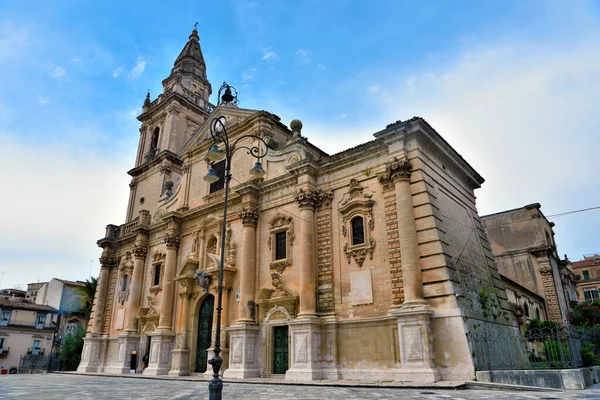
<point>279,220</point>
<point>281,296</point>
<point>355,199</point>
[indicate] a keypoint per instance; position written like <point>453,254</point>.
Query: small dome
<point>296,125</point>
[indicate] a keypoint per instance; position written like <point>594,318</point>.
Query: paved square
<point>76,387</point>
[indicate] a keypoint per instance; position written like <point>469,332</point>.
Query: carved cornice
<point>395,171</point>
<point>249,216</point>
<point>172,241</point>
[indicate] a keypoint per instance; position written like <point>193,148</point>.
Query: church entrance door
<point>280,349</point>
<point>205,323</point>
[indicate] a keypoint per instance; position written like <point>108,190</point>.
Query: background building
<point>367,264</point>
<point>523,244</point>
<point>26,329</point>
<point>588,270</point>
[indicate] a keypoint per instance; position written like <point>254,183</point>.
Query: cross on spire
<point>196,26</point>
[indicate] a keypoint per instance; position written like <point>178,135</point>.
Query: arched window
<point>537,313</point>
<point>124,283</point>
<point>526,309</point>
<point>154,141</point>
<point>358,231</point>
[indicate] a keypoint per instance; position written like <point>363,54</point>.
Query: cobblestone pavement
<point>71,387</point>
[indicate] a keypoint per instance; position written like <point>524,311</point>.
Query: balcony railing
<point>35,351</point>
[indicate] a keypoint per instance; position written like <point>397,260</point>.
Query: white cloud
<point>64,190</point>
<point>248,75</point>
<point>303,55</point>
<point>116,72</point>
<point>374,89</point>
<point>76,60</point>
<point>321,67</point>
<point>58,73</point>
<point>138,69</point>
<point>43,100</point>
<point>269,54</point>
<point>134,113</point>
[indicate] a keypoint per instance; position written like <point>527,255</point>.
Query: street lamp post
<point>218,132</point>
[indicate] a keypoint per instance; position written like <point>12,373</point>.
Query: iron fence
<point>32,364</point>
<point>555,347</point>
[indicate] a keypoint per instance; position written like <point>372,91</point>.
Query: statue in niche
<point>152,308</point>
<point>203,278</point>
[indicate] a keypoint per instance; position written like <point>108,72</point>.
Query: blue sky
<point>512,85</point>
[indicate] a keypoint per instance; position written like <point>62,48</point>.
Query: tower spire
<point>191,49</point>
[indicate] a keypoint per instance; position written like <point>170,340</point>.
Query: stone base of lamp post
<point>242,360</point>
<point>180,362</point>
<point>128,342</point>
<point>224,355</point>
<point>92,353</point>
<point>416,344</point>
<point>160,353</point>
<point>305,364</point>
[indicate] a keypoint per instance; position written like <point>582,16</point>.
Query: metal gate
<point>205,323</point>
<point>280,349</point>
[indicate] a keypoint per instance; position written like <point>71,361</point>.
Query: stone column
<point>168,287</point>
<point>106,263</point>
<point>307,200</point>
<point>180,356</point>
<point>135,290</point>
<point>162,339</point>
<point>249,216</point>
<point>413,317</point>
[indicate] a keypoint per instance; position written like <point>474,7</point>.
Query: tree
<point>71,348</point>
<point>585,315</point>
<point>88,291</point>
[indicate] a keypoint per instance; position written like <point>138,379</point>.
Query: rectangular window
<point>156,281</point>
<point>280,246</point>
<point>220,171</point>
<point>591,295</point>
<point>1,343</point>
<point>586,275</point>
<point>37,346</point>
<point>40,321</point>
<point>5,317</point>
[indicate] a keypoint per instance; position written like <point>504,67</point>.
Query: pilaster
<point>159,362</point>
<point>128,342</point>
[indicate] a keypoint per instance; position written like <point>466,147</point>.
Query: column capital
<point>311,198</point>
<point>140,251</point>
<point>108,261</point>
<point>172,240</point>
<point>395,171</point>
<point>249,216</point>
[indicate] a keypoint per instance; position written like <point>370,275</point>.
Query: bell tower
<point>171,119</point>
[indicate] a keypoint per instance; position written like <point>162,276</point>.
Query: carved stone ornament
<point>281,223</point>
<point>158,256</point>
<point>126,264</point>
<point>123,296</point>
<point>230,248</point>
<point>203,278</point>
<point>108,261</point>
<point>394,171</point>
<point>149,316</point>
<point>172,240</point>
<point>268,299</point>
<point>359,254</point>
<point>140,251</point>
<point>249,216</point>
<point>545,270</point>
<point>356,203</point>
<point>310,198</point>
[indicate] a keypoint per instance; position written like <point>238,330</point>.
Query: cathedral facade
<point>369,264</point>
